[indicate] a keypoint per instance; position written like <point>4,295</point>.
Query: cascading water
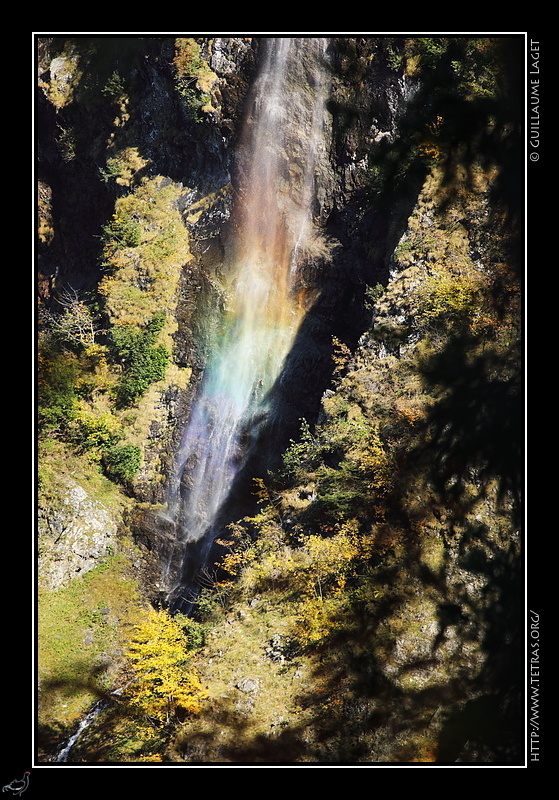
<point>282,151</point>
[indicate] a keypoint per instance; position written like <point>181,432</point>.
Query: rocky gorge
<point>363,602</point>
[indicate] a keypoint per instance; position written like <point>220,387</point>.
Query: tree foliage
<point>57,376</point>
<point>143,360</point>
<point>162,687</point>
<point>189,69</point>
<point>121,231</point>
<point>122,461</point>
<point>345,459</point>
<point>76,324</point>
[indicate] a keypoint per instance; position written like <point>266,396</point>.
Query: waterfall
<point>282,150</point>
<point>64,753</point>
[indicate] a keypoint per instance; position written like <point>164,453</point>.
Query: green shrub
<point>114,87</point>
<point>194,632</point>
<point>122,231</point>
<point>301,457</point>
<point>144,362</point>
<point>448,299</point>
<point>431,49</point>
<point>189,66</point>
<point>57,378</point>
<point>124,168</point>
<point>346,461</point>
<point>122,462</point>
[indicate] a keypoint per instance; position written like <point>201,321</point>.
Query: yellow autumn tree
<point>162,687</point>
<point>328,564</point>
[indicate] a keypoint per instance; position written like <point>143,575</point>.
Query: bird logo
<point>17,787</point>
